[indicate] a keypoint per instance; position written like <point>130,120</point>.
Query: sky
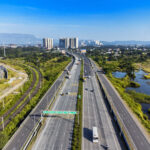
<point>105,20</point>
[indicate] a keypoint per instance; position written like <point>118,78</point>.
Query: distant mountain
<point>13,38</point>
<point>132,42</point>
<point>29,39</point>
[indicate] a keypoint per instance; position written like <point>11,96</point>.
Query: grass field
<point>132,98</point>
<point>50,70</point>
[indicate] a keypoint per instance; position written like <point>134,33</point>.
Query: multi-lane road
<point>96,114</point>
<point>57,130</point>
<point>20,137</point>
<point>140,142</point>
<point>57,133</point>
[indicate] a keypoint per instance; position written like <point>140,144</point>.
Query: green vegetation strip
<point>133,99</point>
<point>77,131</point>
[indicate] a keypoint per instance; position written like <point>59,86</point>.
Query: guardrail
<point>39,123</point>
<point>123,129</point>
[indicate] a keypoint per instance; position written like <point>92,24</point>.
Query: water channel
<point>144,86</point>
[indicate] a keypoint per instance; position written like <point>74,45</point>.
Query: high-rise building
<point>76,42</point>
<point>68,43</point>
<point>48,43</point>
<point>64,43</point>
<point>73,43</point>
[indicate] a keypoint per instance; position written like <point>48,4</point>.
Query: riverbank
<point>145,66</point>
<point>121,85</point>
<point>131,100</point>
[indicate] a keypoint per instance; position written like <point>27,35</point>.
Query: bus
<point>95,135</point>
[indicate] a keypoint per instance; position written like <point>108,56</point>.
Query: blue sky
<point>88,19</point>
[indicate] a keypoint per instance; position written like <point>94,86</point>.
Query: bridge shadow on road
<point>87,134</point>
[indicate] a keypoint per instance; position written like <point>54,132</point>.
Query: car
<point>86,89</point>
<point>92,90</point>
<point>106,146</point>
<point>67,93</point>
<point>61,93</point>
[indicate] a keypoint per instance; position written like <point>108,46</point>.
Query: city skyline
<point>97,20</point>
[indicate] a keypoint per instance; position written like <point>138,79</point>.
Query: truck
<point>68,72</point>
<point>68,76</point>
<point>95,135</point>
<point>77,63</point>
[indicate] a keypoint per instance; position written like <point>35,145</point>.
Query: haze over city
<point>107,20</point>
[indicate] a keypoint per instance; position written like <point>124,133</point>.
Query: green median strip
<point>77,130</point>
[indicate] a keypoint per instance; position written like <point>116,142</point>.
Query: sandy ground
<point>21,76</point>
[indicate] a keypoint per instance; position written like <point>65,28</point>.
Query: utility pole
<point>34,119</point>
<point>4,50</point>
<point>55,91</point>
<point>41,116</point>
<point>47,100</point>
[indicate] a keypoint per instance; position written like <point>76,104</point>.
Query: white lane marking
<point>89,124</point>
<point>56,103</point>
<point>48,122</point>
<point>106,114</point>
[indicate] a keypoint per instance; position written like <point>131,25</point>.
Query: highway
<point>96,114</point>
<point>58,129</point>
<point>22,134</point>
<point>139,139</point>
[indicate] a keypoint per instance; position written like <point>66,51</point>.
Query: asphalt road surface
<point>137,136</point>
<point>57,133</point>
<point>95,114</point>
<point>21,135</point>
<point>87,67</point>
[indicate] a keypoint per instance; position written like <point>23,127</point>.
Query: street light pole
<point>55,91</point>
<point>34,120</point>
<point>41,116</point>
<point>47,100</point>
